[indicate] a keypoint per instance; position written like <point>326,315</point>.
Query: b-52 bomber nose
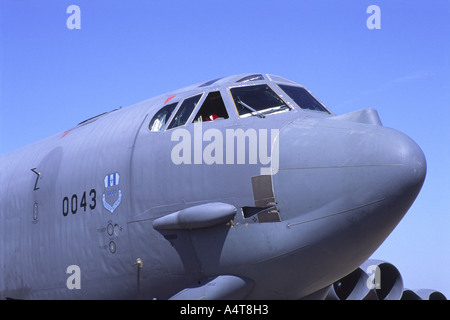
<point>349,179</point>
<point>177,197</point>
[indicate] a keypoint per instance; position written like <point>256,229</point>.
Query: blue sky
<point>52,78</point>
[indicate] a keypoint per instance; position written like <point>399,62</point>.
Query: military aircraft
<point>242,187</point>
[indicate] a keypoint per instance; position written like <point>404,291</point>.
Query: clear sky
<point>53,77</point>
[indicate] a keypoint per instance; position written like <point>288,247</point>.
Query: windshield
<point>161,117</point>
<point>257,100</point>
<point>184,111</point>
<point>302,98</point>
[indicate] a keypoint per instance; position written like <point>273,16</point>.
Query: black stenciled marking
<point>74,202</point>
<point>37,178</point>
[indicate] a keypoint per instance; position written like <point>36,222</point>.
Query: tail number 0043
<point>71,204</point>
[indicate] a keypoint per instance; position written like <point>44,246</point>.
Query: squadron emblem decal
<point>112,196</point>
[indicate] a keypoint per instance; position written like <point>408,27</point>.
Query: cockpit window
<point>184,111</point>
<point>257,100</point>
<point>208,83</point>
<point>253,77</point>
<point>303,98</point>
<point>212,109</point>
<point>161,117</point>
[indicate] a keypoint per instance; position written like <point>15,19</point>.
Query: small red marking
<point>169,98</point>
<point>65,133</point>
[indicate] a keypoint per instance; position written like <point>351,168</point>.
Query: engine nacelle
<point>351,287</point>
<point>373,280</point>
<point>385,281</point>
<point>422,294</point>
<point>377,280</point>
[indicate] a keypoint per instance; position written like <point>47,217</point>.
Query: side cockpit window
<point>303,98</point>
<point>257,100</point>
<point>212,109</point>
<point>161,117</point>
<point>184,111</point>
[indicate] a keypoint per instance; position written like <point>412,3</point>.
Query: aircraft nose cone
<point>411,161</point>
<point>328,168</point>
<point>342,187</point>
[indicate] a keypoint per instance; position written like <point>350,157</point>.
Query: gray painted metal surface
<point>108,197</point>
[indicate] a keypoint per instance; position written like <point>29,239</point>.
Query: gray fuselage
<point>313,195</point>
